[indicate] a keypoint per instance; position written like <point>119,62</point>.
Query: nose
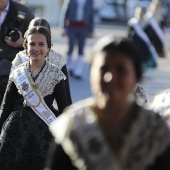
<point>36,48</point>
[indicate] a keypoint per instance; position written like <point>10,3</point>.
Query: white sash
<point>134,23</point>
<point>31,95</point>
<point>156,27</point>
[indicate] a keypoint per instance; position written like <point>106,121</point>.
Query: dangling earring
<point>47,54</point>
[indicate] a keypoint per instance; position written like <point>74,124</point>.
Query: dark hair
<point>39,29</point>
<point>40,22</point>
<point>121,46</point>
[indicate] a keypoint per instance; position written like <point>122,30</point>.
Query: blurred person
<point>153,28</point>
<point>110,131</point>
<point>161,104</point>
<point>137,35</point>
<point>77,20</point>
<point>53,57</point>
<point>26,111</point>
<point>14,21</point>
<point>120,7</point>
<point>17,1</point>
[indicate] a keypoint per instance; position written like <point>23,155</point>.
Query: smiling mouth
<point>36,54</point>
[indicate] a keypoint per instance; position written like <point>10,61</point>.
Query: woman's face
<point>113,77</point>
<point>37,47</point>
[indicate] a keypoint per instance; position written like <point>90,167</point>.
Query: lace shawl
<point>46,80</point>
<point>55,58</point>
<point>147,138</point>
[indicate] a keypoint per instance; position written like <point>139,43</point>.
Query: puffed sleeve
<point>67,86</point>
<point>8,103</point>
<point>61,96</point>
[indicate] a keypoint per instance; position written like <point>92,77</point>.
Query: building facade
<point>49,10</point>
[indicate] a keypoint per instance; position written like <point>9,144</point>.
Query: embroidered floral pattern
<point>147,136</point>
<point>49,76</point>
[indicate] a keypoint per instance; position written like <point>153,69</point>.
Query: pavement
<point>154,80</point>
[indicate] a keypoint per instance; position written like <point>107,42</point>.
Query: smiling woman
<point>27,111</point>
<point>37,47</point>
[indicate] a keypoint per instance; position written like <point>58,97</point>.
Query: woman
<point>26,110</point>
<point>139,37</point>
<point>110,131</point>
<point>153,29</point>
<point>55,58</point>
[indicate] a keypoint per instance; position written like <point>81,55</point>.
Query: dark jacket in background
<point>69,11</point>
<point>6,51</point>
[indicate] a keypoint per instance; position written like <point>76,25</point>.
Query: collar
<point>7,7</point>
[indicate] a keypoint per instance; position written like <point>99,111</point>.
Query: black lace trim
<point>34,78</point>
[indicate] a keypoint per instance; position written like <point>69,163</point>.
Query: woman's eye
<point>31,44</point>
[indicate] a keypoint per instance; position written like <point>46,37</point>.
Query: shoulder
<point>54,73</point>
<point>13,71</point>
<point>65,120</point>
<point>57,59</point>
<point>154,123</point>
<point>81,105</point>
<point>18,58</point>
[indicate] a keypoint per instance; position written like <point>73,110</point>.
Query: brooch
<point>25,86</point>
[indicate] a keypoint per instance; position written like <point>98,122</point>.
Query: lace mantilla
<point>147,138</point>
<point>55,58</point>
<point>46,80</point>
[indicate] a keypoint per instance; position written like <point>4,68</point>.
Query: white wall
<point>48,9</point>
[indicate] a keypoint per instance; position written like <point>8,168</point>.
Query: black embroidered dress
<point>25,138</point>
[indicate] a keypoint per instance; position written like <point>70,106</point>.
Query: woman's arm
<point>9,101</point>
<point>61,96</point>
<point>67,86</point>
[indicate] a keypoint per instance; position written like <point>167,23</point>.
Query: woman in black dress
<point>26,110</point>
<point>110,131</point>
<point>54,57</point>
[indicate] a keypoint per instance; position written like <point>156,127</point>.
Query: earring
<point>47,54</point>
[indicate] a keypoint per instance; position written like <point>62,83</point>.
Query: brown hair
<point>39,29</point>
<point>40,22</point>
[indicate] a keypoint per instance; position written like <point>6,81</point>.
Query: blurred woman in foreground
<point>110,131</point>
